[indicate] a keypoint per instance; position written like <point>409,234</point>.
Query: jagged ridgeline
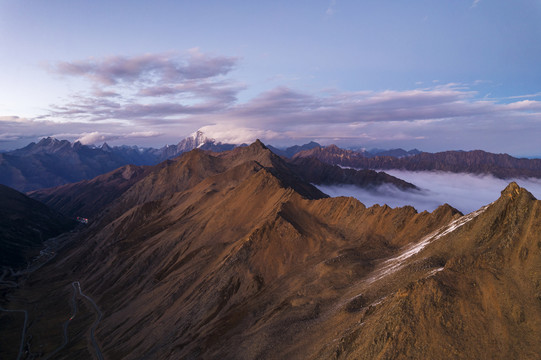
<point>237,256</point>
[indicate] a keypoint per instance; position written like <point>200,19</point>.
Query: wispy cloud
<point>150,86</point>
<point>148,68</point>
<point>475,3</point>
<point>93,138</point>
<point>12,119</point>
<point>238,135</point>
<point>331,8</point>
<point>284,105</point>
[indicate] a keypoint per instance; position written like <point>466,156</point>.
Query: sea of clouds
<point>465,192</point>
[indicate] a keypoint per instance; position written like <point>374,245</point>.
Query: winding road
<point>66,324</point>
<point>77,289</point>
<point>23,334</point>
<point>96,323</point>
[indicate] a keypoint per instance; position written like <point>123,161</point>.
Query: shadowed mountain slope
<point>24,224</point>
<point>53,162</point>
<point>89,197</point>
<point>317,172</point>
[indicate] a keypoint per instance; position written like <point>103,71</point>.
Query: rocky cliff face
<point>236,256</point>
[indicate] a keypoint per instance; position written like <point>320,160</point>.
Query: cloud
<point>6,137</point>
<point>475,3</point>
<point>12,119</point>
<point>93,138</point>
<point>465,192</point>
<point>97,137</point>
<point>222,91</point>
<point>149,87</point>
<point>525,105</point>
<point>175,94</point>
<point>331,8</point>
<point>164,68</point>
<point>143,134</point>
<point>285,106</point>
<point>237,135</point>
<point>104,93</point>
<point>435,118</point>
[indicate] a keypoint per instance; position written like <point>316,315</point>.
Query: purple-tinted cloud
<point>151,87</point>
<point>284,105</point>
<point>218,91</point>
<point>163,68</point>
<point>171,94</point>
<point>104,93</point>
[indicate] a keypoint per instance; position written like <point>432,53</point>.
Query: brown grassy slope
<point>484,304</point>
<point>230,262</point>
<point>235,258</point>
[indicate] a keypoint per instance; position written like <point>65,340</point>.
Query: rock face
<point>235,256</point>
<point>474,162</point>
<point>24,224</point>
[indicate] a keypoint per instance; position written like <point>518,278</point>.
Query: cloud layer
<point>465,192</point>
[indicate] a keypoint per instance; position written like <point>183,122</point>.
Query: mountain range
<point>474,162</point>
<point>236,255</point>
<point>88,197</point>
<point>52,162</point>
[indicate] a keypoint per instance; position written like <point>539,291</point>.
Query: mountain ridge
<point>233,262</point>
<point>85,198</point>
<point>475,162</point>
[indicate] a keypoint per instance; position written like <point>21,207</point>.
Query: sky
<point>432,75</point>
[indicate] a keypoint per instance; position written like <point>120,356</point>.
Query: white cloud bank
<point>465,192</point>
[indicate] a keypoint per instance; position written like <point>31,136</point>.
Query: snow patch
<point>433,272</point>
<point>396,263</point>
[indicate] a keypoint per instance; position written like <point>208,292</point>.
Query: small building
<point>82,220</point>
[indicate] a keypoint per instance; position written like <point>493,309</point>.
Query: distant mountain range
<point>236,255</point>
<point>474,162</point>
<point>52,162</point>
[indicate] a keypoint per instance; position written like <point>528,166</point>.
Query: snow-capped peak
<point>200,139</point>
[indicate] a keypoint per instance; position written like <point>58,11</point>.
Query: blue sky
<point>435,75</point>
